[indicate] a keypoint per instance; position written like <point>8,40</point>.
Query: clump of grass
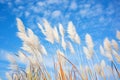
<point>32,51</point>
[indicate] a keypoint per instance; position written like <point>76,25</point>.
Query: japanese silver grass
<point>115,45</point>
<point>56,35</point>
<point>118,35</point>
<point>63,44</point>
<point>61,30</point>
<point>71,47</point>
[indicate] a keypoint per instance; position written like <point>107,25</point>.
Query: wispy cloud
<point>56,13</point>
<point>73,5</point>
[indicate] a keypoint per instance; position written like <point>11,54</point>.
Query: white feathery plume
<point>71,47</point>
<point>34,60</point>
<point>43,50</point>
<point>97,68</point>
<point>60,56</point>
<point>49,37</point>
<point>41,28</point>
<point>27,48</point>
<point>118,35</point>
<point>39,56</point>
<point>11,58</point>
<point>22,57</point>
<point>83,71</point>
<point>107,45</point>
<point>31,44</point>
<point>77,39</point>
<point>61,29</point>
<point>72,33</point>
<point>109,56</point>
<point>117,56</point>
<point>102,50</point>
<point>108,50</point>
<point>9,77</point>
<point>48,31</point>
<point>89,41</point>
<point>20,25</point>
<point>22,36</point>
<point>32,37</point>
<point>100,69</point>
<point>86,51</point>
<point>15,77</point>
<point>13,67</point>
<point>115,45</point>
<point>103,64</point>
<point>63,44</point>
<point>60,53</point>
<point>56,35</point>
<point>89,44</point>
<point>71,30</point>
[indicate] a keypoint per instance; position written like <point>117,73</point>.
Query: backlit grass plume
<point>57,56</point>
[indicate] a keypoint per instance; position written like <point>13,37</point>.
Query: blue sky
<point>99,18</point>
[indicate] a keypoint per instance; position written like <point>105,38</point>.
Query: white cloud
<point>93,11</point>
<point>110,10</point>
<point>54,1</point>
<point>20,7</point>
<point>41,3</point>
<point>2,1</point>
<point>101,19</point>
<point>27,13</point>
<point>83,12</point>
<point>73,5</point>
<point>9,4</point>
<point>87,6</point>
<point>18,1</point>
<point>56,13</point>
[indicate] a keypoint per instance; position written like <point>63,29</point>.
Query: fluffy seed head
<point>102,50</point>
<point>77,39</point>
<point>71,30</point>
<point>118,35</point>
<point>61,29</point>
<point>107,45</point>
<point>103,64</point>
<point>9,77</point>
<point>115,45</point>
<point>71,48</point>
<point>89,41</point>
<point>20,25</point>
<point>41,28</point>
<point>86,51</point>
<point>56,35</point>
<point>11,58</point>
<point>43,50</point>
<point>63,44</point>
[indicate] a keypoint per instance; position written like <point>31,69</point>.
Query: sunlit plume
<point>63,44</point>
<point>71,48</point>
<point>72,33</point>
<point>56,34</point>
<point>115,45</point>
<point>61,29</point>
<point>118,35</point>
